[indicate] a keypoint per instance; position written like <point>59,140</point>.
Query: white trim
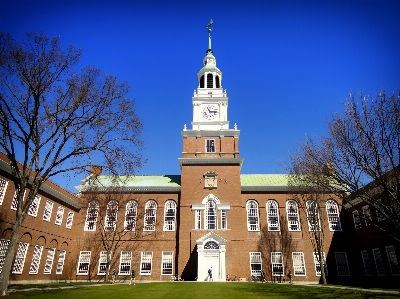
<point>34,206</point>
<point>83,263</point>
<point>19,260</point>
<point>167,263</point>
<point>292,214</point>
<point>272,209</point>
<point>59,215</point>
<point>49,260</point>
<point>277,268</point>
<point>48,209</point>
<point>255,263</point>
<point>70,219</point>
<point>37,254</point>
<point>332,213</point>
<point>299,265</point>
<point>253,217</point>
<point>146,262</point>
<point>3,190</point>
<point>125,263</point>
<point>60,262</point>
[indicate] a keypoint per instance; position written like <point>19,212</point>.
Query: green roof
<point>264,180</point>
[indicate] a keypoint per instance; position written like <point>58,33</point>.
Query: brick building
<point>209,216</point>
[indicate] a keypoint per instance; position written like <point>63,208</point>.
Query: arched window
<point>313,216</point>
<point>253,223</point>
<point>91,216</point>
<point>150,212</point>
<point>332,211</point>
<point>210,81</point>
<point>130,215</point>
<point>202,82</point>
<point>217,84</point>
<point>211,214</point>
<point>169,215</point>
<point>273,215</point>
<point>111,215</point>
<point>292,211</point>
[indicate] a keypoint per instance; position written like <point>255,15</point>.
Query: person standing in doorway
<point>133,278</point>
<point>210,274</point>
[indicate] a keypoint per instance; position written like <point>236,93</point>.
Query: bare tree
<point>359,158</point>
<point>56,119</point>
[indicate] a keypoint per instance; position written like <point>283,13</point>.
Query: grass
<point>198,290</point>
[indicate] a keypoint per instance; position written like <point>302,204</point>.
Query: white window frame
<point>380,267</point>
<point>91,216</point>
<point>393,262</point>
<point>224,220</point>
<point>342,264</point>
<point>83,263</point>
<point>3,189</point>
<point>318,266</point>
<point>110,221</point>
<point>299,265</point>
<point>332,213</point>
<point>146,262</point>
<point>60,262</point>
<point>367,215</point>
<point>313,218</point>
<point>4,243</point>
<point>34,206</point>
<point>70,219</point>
<point>197,224</point>
<point>14,203</point>
<point>51,252</point>
<point>167,263</point>
<point>130,216</point>
<point>253,217</point>
<point>150,216</point>
<point>210,145</point>
<point>211,215</point>
<point>277,264</point>
<point>125,263</point>
<point>292,211</point>
<point>356,219</point>
<point>255,263</point>
<point>37,255</point>
<point>169,216</point>
<point>366,263</point>
<point>272,208</point>
<point>20,257</point>
<point>59,215</point>
<point>48,209</point>
<point>102,266</point>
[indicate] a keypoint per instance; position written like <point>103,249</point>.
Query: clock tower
<point>210,177</point>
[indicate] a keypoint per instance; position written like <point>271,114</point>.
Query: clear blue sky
<point>287,65</point>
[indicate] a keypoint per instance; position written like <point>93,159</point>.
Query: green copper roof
<point>264,180</point>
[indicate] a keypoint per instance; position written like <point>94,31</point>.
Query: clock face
<point>210,112</point>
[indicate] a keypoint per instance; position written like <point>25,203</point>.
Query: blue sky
<point>287,65</point>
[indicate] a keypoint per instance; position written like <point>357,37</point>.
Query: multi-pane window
<point>59,215</point>
<point>70,218</point>
<point>48,208</point>
<point>357,220</point>
<point>146,262</point>
<point>14,203</point>
<point>318,264</point>
<point>210,215</point>
<point>253,223</point>
<point>91,216</point>
<point>366,262</point>
<point>49,260</point>
<point>60,262</point>
<point>20,258</point>
<point>3,188</point>
<point>83,263</point>
<point>169,215</point>
<point>342,264</point>
<point>125,260</point>
<point>255,263</point>
<point>378,211</point>
<point>277,264</point>
<point>224,221</point>
<point>332,211</point>
<point>273,215</point>
<point>111,216</point>
<point>34,206</point>
<point>313,216</point>
<point>103,263</point>
<point>167,261</point>
<point>3,250</point>
<point>293,215</point>
<point>210,146</point>
<point>37,254</point>
<point>130,216</point>
<point>367,215</point>
<point>394,265</point>
<point>198,219</point>
<point>150,212</point>
<point>380,268</point>
<point>299,266</point>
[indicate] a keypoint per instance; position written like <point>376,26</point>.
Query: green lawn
<point>199,290</point>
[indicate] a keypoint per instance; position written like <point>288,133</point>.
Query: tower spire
<point>209,29</point>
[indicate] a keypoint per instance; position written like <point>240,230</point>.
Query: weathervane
<point>209,29</point>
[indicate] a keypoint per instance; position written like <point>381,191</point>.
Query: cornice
<point>211,133</point>
<point>201,161</point>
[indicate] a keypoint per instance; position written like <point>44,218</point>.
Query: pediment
<point>211,236</point>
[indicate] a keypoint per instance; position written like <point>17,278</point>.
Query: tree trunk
<point>9,258</point>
